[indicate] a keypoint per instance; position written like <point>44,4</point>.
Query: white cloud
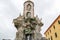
<point>10,9</point>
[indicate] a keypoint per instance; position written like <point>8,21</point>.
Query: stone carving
<point>28,27</point>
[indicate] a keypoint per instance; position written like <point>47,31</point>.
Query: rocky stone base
<point>36,36</point>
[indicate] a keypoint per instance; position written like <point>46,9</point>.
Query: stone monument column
<point>28,26</point>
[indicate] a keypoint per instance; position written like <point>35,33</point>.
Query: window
<point>50,31</point>
<point>51,38</point>
<point>48,38</point>
<point>58,21</point>
<point>54,26</point>
<point>46,35</point>
<point>56,35</point>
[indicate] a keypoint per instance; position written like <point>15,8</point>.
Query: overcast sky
<point>48,10</point>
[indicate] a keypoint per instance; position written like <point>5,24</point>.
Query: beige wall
<point>52,33</point>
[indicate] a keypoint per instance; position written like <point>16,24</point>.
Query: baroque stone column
<point>28,26</point>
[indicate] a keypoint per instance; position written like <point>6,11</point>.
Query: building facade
<point>53,32</point>
<point>28,26</point>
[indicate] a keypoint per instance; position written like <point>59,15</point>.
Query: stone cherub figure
<point>28,26</point>
<point>37,33</point>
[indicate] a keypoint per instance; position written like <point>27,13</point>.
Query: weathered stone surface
<point>28,25</point>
